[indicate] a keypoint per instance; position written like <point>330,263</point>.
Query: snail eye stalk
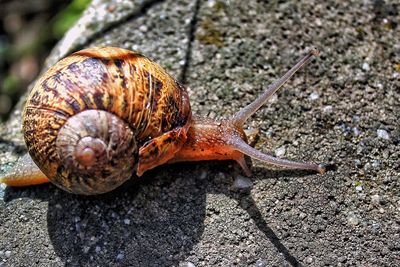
<point>242,115</point>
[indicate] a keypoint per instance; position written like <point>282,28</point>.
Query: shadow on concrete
<point>127,227</point>
<point>150,222</point>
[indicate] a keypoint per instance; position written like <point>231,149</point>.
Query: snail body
<point>102,114</point>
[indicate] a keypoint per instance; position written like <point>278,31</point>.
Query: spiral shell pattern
<point>99,152</point>
<point>123,83</point>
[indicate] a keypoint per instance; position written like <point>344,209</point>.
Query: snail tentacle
<point>242,115</point>
<point>243,147</point>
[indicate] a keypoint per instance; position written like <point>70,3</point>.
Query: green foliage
<point>10,84</point>
<point>66,19</point>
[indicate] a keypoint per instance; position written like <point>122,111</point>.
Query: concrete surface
<point>342,109</point>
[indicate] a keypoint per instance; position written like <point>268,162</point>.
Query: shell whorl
<point>126,86</point>
<point>98,152</point>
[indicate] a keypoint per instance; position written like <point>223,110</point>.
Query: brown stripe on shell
<point>84,81</point>
<point>119,64</point>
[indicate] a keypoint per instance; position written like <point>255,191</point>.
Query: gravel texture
<point>342,109</point>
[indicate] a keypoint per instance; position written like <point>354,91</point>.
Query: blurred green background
<point>28,31</point>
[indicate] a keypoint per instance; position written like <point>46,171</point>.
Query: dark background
<point>28,31</point>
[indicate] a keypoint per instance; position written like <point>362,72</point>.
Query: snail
<point>102,114</point>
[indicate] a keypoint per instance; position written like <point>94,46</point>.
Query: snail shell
<point>87,119</point>
<point>102,114</point>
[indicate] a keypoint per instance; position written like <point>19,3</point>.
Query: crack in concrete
<point>191,36</point>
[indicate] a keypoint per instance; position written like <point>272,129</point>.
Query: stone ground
<point>342,109</point>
